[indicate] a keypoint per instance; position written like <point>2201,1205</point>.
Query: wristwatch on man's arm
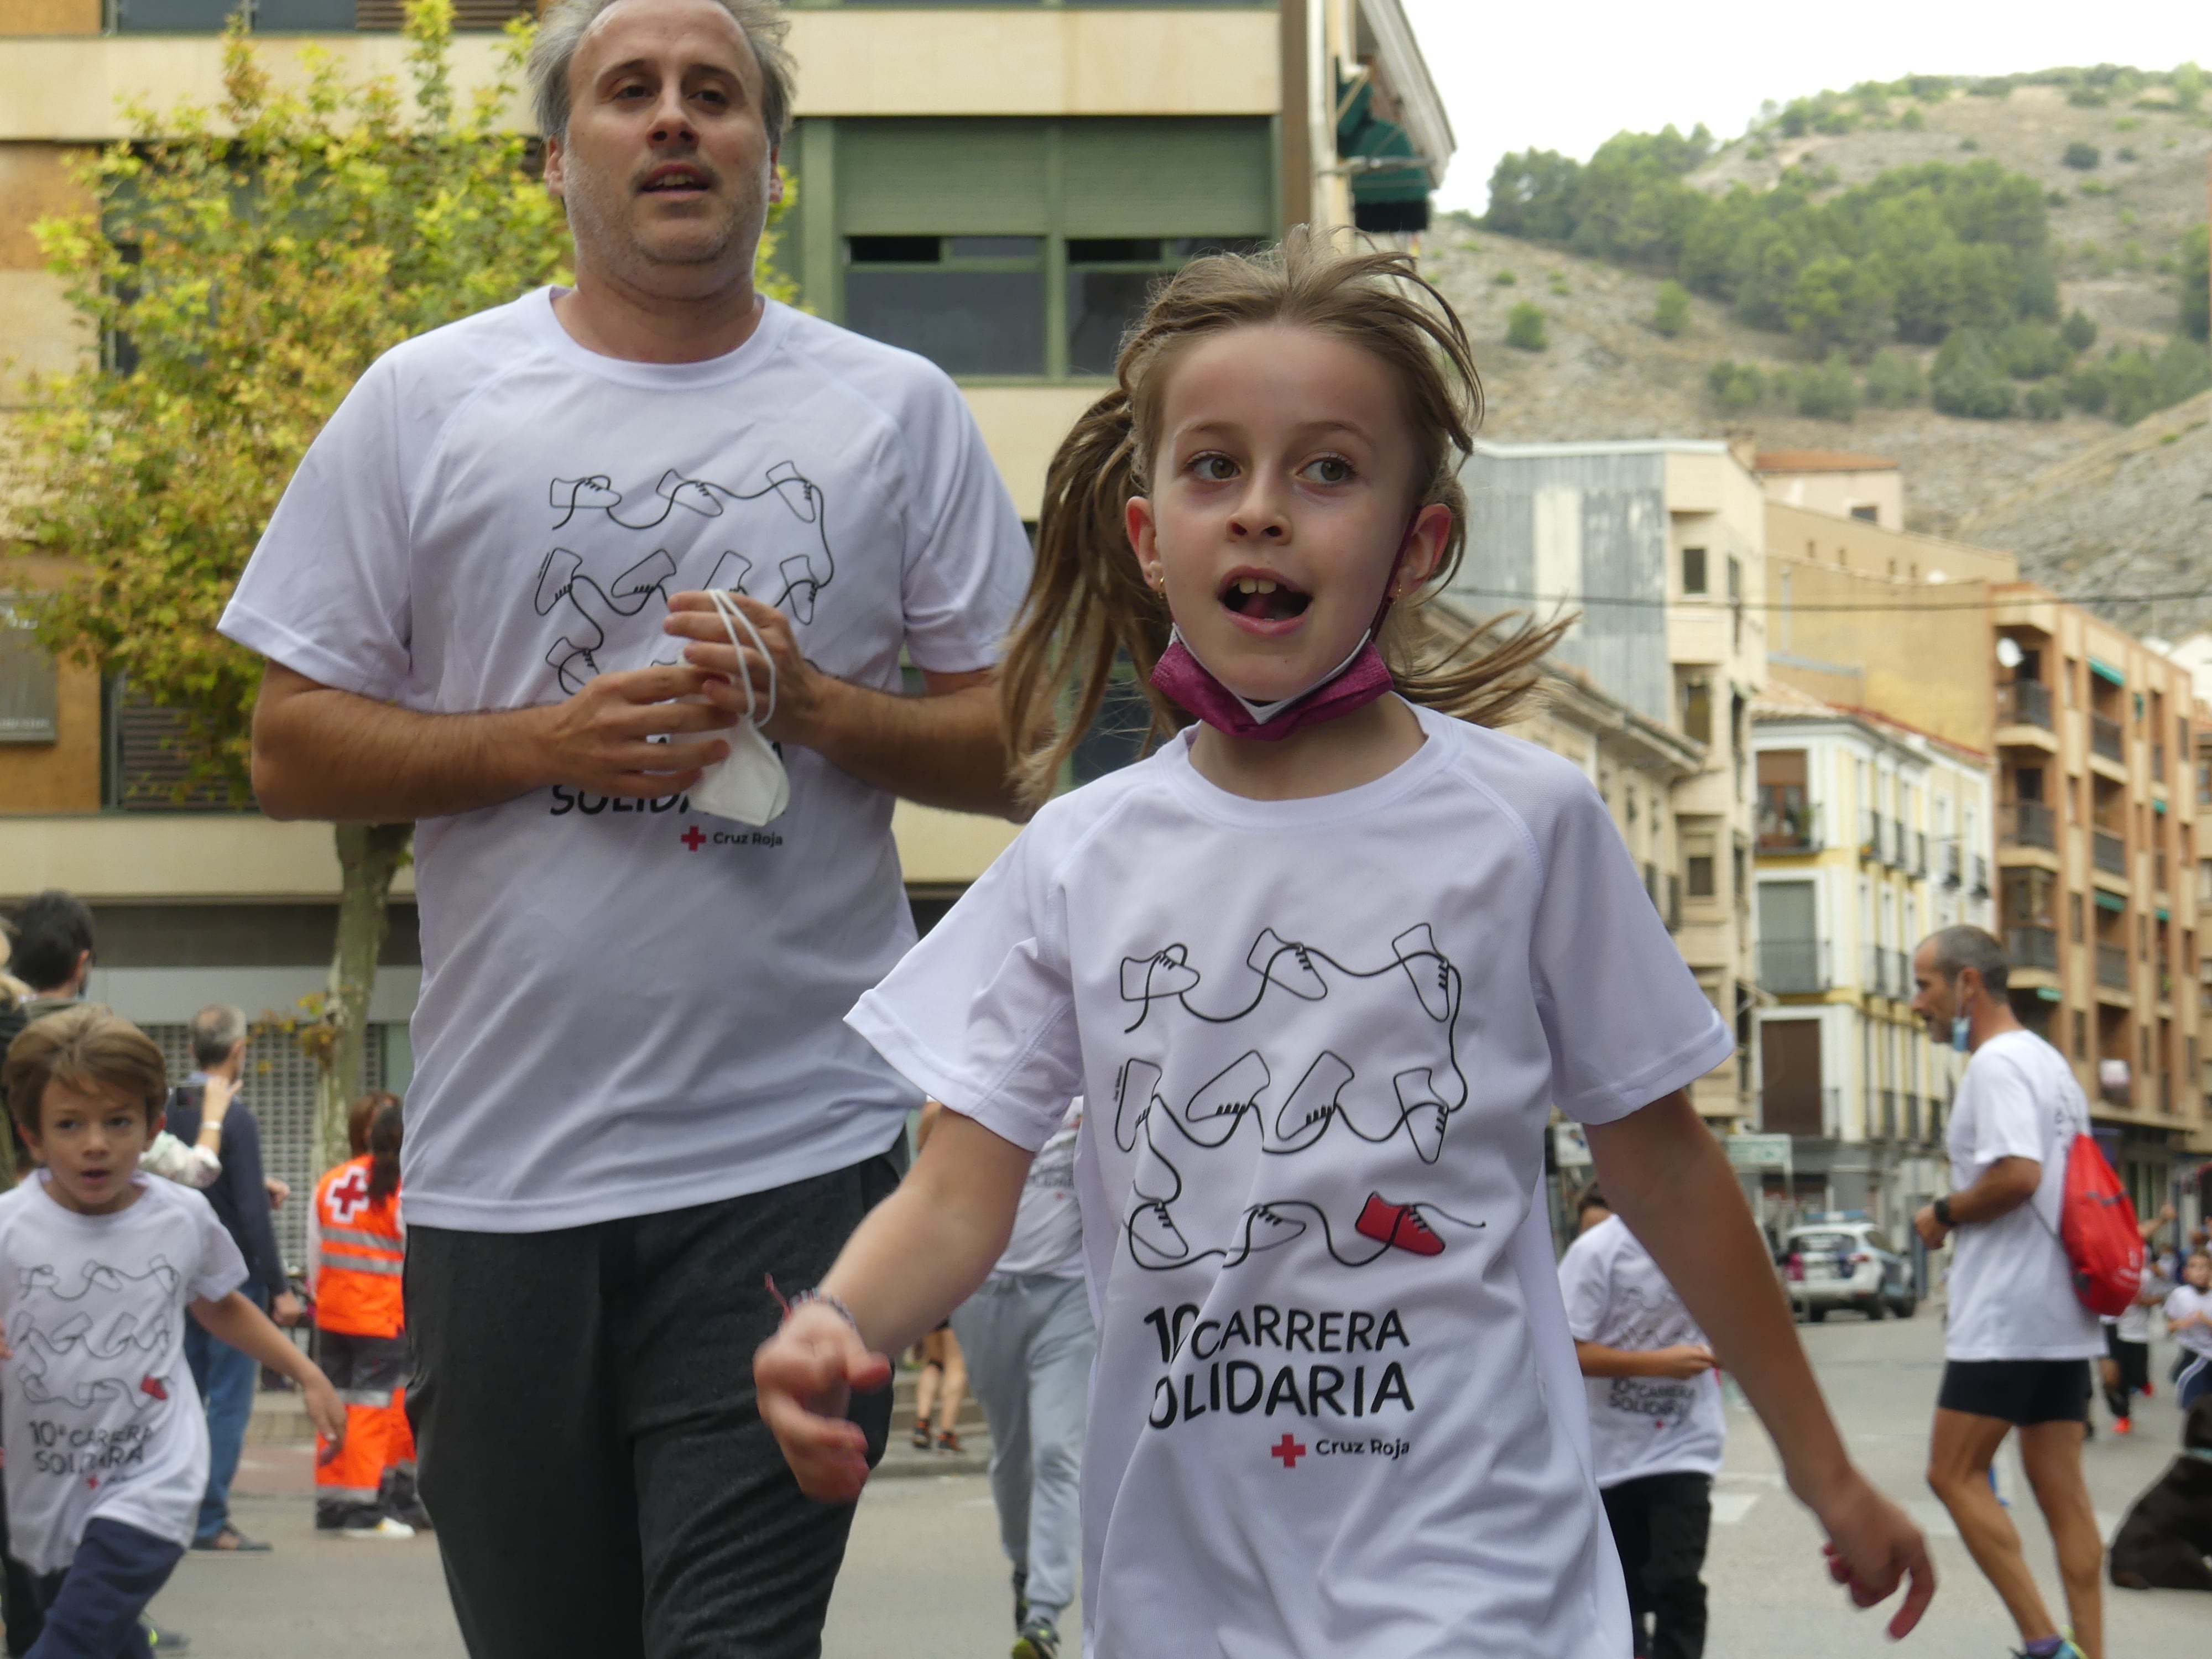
<point>1942,1208</point>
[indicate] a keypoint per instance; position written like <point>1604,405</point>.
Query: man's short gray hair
<point>215,1031</point>
<point>561,30</point>
<point>1962,947</point>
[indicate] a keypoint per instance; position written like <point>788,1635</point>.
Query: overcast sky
<point>1569,77</point>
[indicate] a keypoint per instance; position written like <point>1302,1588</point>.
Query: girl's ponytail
<point>384,1134</point>
<point>1087,604</point>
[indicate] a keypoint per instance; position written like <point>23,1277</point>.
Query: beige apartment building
<point>2092,834</point>
<point>994,186</point>
<point>1660,546</point>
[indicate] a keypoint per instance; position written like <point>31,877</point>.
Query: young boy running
<point>108,1448</point>
<point>1656,1425</point>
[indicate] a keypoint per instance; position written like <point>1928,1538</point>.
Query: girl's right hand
<point>804,1376</point>
<point>1684,1360</point>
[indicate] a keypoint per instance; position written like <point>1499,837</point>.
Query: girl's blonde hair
<point>1088,605</point>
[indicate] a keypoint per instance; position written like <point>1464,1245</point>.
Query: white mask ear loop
<point>729,610</point>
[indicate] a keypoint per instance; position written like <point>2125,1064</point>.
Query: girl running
<point>1321,964</point>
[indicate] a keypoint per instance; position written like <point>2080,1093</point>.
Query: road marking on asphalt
<point>1730,1507</point>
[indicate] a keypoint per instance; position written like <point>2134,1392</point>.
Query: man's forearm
<point>1998,1190</point>
<point>322,753</point>
<point>1667,1177</point>
<point>945,750</point>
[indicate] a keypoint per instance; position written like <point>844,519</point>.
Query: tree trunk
<point>369,855</point>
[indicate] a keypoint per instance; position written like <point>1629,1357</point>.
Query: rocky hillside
<point>2087,503</point>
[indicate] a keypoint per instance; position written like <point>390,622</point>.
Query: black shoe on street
<point>1038,1640</point>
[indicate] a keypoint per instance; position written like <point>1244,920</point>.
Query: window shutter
<point>152,765</point>
<point>942,179</point>
<point>1155,177</point>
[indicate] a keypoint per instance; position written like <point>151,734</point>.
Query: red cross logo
<point>692,839</point>
<point>350,1197</point>
<point>1289,1450</point>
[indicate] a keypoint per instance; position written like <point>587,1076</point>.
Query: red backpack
<point>2096,1227</point>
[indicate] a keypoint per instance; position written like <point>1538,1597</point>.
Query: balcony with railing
<point>2027,945</point>
<point>2158,869</point>
<point>1981,887</point>
<point>1793,967</point>
<point>2027,823</point>
<point>1950,858</point>
<point>2108,738</point>
<point>2113,967</point>
<point>1788,823</point>
<point>2109,853</point>
<point>1919,839</point>
<point>2023,702</point>
<point>1869,834</point>
<point>2158,762</point>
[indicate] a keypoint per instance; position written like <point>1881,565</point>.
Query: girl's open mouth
<point>1264,598</point>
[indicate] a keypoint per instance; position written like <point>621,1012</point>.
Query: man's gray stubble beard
<point>600,224</point>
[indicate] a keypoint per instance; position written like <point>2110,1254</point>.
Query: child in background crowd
<point>1320,966</point>
<point>108,1448</point>
<point>2125,1369</point>
<point>1656,1429</point>
<point>356,1246</point>
<point>2189,1321</point>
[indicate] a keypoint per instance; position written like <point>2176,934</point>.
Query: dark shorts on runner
<point>2021,1392</point>
<point>2133,1359</point>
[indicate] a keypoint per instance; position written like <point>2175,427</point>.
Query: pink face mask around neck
<point>1352,685</point>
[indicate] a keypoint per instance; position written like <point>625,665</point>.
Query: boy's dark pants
<point>92,1606</point>
<point>1660,1522</point>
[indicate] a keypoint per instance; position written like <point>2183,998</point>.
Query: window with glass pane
<point>972,304</point>
<point>1109,279</point>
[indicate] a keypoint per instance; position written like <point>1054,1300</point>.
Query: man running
<point>2017,1341</point>
<point>634,1098</point>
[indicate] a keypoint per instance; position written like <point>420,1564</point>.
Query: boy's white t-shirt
<point>2011,1287</point>
<point>1335,1410</point>
<point>2186,1300</point>
<point>628,1006</point>
<point>98,1410</point>
<point>1639,1426</point>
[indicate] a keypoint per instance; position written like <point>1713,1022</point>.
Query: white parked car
<point>1847,1264</point>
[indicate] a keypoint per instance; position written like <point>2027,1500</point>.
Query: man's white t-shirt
<point>1617,1297</point>
<point>2187,1299</point>
<point>1047,1237</point>
<point>98,1410</point>
<point>2011,1288</point>
<point>630,1006</point>
<point>1335,1410</point>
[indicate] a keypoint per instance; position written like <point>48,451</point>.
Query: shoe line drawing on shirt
<point>135,1357</point>
<point>596,611</point>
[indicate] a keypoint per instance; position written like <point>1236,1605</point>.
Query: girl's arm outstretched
<point>1667,1177</point>
<point>920,1255</point>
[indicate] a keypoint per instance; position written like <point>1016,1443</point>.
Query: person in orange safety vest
<point>357,1245</point>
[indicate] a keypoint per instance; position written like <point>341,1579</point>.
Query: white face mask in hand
<point>748,783</point>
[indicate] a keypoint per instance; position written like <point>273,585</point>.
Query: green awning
<point>2162,915</point>
<point>2105,670</point>
<point>2049,993</point>
<point>2109,901</point>
<point>2158,803</point>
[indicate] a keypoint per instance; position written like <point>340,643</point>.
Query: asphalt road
<point>924,1578</point>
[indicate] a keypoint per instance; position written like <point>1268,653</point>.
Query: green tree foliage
<point>248,261</point>
<point>2043,402</point>
<point>2187,81</point>
<point>1670,313</point>
<point>1970,378</point>
<point>2196,284</point>
<point>1913,253</point>
<point>1736,386</point>
<point>1893,379</point>
<point>2032,351</point>
<point>2078,332</point>
<point>1827,392</point>
<point>2082,155</point>
<point>1524,327</point>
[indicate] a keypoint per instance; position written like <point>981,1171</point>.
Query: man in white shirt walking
<point>483,602</point>
<point>2017,1341</point>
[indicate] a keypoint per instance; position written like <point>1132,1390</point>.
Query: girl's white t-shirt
<point>1335,1410</point>
<point>2187,1299</point>
<point>1617,1297</point>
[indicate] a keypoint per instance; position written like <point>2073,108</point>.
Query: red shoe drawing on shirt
<point>1397,1225</point>
<point>155,1386</point>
